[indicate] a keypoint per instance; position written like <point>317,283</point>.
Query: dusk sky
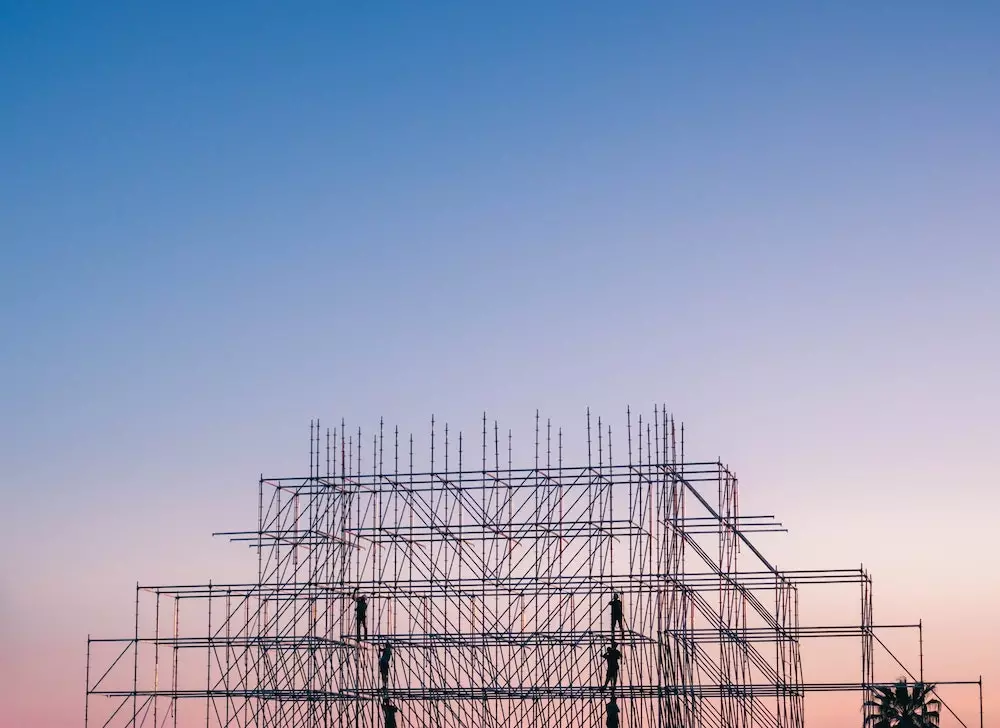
<point>220,220</point>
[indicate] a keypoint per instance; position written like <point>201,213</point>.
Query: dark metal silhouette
<point>496,581</point>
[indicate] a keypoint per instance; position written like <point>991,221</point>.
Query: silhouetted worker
<point>613,711</point>
<point>383,664</point>
<point>390,713</point>
<point>612,656</point>
<point>617,614</point>
<point>361,615</point>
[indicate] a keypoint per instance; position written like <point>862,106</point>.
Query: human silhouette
<point>613,711</point>
<point>383,663</point>
<point>617,614</point>
<point>361,615</point>
<point>612,656</point>
<point>389,710</point>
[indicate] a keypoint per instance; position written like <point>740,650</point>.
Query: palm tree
<point>900,706</point>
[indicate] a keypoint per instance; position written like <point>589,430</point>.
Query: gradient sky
<point>219,220</point>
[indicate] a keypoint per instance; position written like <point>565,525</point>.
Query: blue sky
<point>217,223</point>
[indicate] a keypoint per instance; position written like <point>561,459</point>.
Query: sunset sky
<point>220,220</point>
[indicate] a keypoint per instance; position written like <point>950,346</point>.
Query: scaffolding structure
<point>491,584</point>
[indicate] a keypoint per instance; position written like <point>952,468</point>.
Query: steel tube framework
<point>491,584</point>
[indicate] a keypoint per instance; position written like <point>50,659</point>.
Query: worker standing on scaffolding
<point>617,614</point>
<point>383,664</point>
<point>612,656</point>
<point>613,711</point>
<point>361,615</point>
<point>389,710</point>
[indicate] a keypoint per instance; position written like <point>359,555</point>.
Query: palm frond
<point>902,705</point>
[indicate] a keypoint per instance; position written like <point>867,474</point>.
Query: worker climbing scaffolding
<point>383,664</point>
<point>617,613</point>
<point>612,656</point>
<point>389,711</point>
<point>361,615</point>
<point>613,710</point>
